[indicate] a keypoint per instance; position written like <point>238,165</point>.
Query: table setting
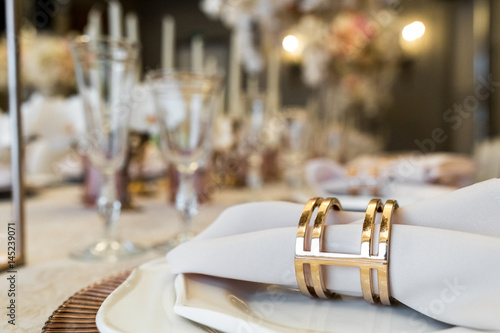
<point>195,197</point>
<point>252,284</point>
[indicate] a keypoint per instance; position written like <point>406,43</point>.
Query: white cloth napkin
<point>4,130</point>
<point>53,118</point>
<point>57,123</point>
<point>444,255</point>
<point>5,178</point>
<point>392,175</point>
<point>488,159</point>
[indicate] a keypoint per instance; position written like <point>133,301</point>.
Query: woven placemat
<point>78,313</point>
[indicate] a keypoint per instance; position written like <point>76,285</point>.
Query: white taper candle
<point>234,79</point>
<point>273,79</point>
<point>94,26</point>
<point>197,53</point>
<point>115,20</point>
<point>132,27</point>
<point>168,42</point>
<point>132,33</point>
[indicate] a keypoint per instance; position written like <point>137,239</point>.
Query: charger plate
<point>78,313</point>
<point>152,299</point>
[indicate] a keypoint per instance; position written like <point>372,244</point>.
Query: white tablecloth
<point>57,223</point>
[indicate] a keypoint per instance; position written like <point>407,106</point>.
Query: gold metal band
<point>301,273</point>
<point>366,272</point>
<point>310,255</point>
<point>309,274</point>
<point>383,250</point>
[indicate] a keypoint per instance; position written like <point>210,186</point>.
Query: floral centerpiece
<point>46,63</point>
<point>357,56</point>
<point>348,50</point>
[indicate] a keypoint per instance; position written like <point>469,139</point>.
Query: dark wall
<point>189,21</point>
<point>64,15</point>
<point>421,93</point>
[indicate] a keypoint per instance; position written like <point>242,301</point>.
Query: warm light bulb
<point>413,31</point>
<point>290,43</point>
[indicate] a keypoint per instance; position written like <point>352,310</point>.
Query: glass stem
<point>108,206</point>
<point>186,200</point>
<point>254,174</point>
<point>252,84</point>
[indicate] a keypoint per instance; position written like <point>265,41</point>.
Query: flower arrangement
<point>359,59</point>
<point>349,54</point>
<point>350,46</point>
<point>46,63</point>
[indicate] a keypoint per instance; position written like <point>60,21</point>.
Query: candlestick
<point>168,43</point>
<point>234,79</point>
<point>15,257</point>
<point>197,53</point>
<point>115,20</point>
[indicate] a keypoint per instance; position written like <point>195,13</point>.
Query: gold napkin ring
<point>310,256</point>
<point>308,246</point>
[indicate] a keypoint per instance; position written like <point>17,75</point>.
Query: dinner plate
<point>152,299</point>
<point>144,303</point>
<point>239,306</point>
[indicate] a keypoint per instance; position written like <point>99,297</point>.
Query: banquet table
<point>57,223</point>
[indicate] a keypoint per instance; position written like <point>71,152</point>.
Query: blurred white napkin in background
<point>421,177</point>
<point>4,130</point>
<point>487,156</point>
<point>444,252</point>
<point>438,168</point>
<point>57,124</point>
<point>53,117</point>
<point>5,177</point>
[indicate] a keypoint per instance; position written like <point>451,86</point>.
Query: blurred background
<point>352,99</point>
<point>342,80</point>
<point>435,72</point>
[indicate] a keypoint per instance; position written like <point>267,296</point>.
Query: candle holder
<point>14,257</point>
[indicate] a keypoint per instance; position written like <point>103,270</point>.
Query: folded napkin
<point>391,174</point>
<point>60,120</point>
<point>487,158</point>
<point>5,177</point>
<point>4,130</point>
<point>444,253</point>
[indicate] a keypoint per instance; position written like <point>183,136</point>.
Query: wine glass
<point>254,136</point>
<point>105,71</point>
<point>185,106</point>
<point>295,144</point>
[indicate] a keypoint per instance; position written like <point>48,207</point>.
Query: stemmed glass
<point>295,144</point>
<point>105,71</point>
<point>254,138</point>
<point>185,105</point>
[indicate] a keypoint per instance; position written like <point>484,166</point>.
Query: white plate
<point>145,303</point>
<point>238,306</point>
